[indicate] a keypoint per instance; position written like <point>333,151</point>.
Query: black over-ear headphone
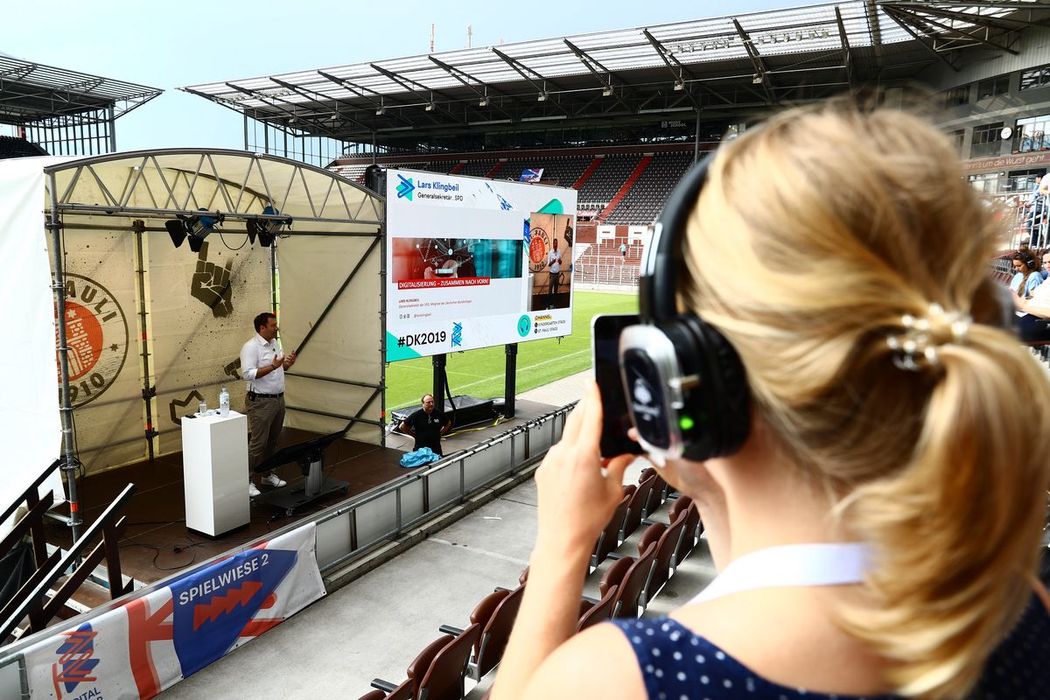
<point>686,387</point>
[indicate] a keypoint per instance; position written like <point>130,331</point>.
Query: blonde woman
<point>895,428</point>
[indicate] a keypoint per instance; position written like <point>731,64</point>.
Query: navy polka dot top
<point>679,665</point>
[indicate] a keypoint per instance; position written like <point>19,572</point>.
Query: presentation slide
<point>473,263</point>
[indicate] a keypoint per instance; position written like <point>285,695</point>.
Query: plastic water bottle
<point>224,402</point>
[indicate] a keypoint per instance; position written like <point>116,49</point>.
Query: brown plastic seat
<point>656,498</point>
<point>636,507</point>
<point>373,695</point>
<point>415,672</point>
<point>609,539</point>
<point>690,531</point>
<point>615,575</point>
<point>492,641</point>
<point>482,612</point>
<point>444,678</point>
<point>632,591</point>
<point>600,611</point>
<point>670,537</point>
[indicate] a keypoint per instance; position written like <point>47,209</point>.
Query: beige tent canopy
<point>151,329</point>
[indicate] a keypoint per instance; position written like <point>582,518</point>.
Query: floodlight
<point>542,97</point>
<point>380,111</point>
<point>266,229</point>
<point>758,79</point>
<point>430,107</point>
<point>607,91</point>
<point>483,102</point>
<point>679,86</point>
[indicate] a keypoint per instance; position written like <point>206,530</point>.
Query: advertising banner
<point>474,263</point>
<point>152,642</point>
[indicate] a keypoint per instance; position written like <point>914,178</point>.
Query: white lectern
<point>215,472</point>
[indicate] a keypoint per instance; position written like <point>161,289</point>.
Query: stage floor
<point>156,542</point>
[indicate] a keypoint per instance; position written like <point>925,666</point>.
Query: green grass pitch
<point>480,372</point>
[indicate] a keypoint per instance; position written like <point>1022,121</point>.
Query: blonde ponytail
<point>855,223</point>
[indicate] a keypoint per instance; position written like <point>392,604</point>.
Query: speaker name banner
<point>147,645</point>
<point>474,263</point>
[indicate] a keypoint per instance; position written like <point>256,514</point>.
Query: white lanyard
<point>831,564</point>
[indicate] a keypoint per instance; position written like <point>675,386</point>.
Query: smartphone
<point>605,344</point>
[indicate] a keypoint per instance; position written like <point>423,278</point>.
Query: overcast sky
<point>171,44</point>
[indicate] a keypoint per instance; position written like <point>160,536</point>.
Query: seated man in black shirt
<point>427,426</point>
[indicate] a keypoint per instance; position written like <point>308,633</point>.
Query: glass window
<point>1035,78</point>
<point>986,140</point>
<point>1033,134</point>
<point>993,87</point>
<point>957,96</point>
<point>1022,180</point>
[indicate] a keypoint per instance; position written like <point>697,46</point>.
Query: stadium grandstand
<point>58,111</point>
<point>620,115</point>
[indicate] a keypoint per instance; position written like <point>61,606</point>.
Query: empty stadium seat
<point>444,678</point>
<point>631,596</point>
<point>667,539</point>
<point>609,539</point>
<point>600,611</point>
<point>492,641</point>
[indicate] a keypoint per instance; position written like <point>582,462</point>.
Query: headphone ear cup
<point>720,406</point>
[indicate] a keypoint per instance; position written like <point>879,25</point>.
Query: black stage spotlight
<point>196,228</point>
<point>177,231</point>
<point>266,229</point>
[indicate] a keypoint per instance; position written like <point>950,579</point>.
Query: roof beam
<point>18,72</point>
<point>415,87</point>
<point>590,62</point>
<point>677,69</point>
<point>365,94</point>
<point>307,94</point>
<point>756,60</point>
<point>847,54</point>
<point>465,78</point>
<point>1004,23</point>
<point>951,30</point>
<point>524,71</point>
<point>903,24</point>
<point>871,10</point>
<point>292,114</point>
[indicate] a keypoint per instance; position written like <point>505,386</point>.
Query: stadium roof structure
<point>703,67</point>
<point>31,92</point>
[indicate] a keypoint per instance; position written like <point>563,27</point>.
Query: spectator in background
<point>891,416</point>
<point>623,251</point>
<point>1026,273</point>
<point>1037,211</point>
<point>1034,323</point>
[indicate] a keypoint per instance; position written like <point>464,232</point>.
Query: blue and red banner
<point>152,642</point>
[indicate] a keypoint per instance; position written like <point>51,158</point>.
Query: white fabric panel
<point>346,344</point>
<point>30,428</point>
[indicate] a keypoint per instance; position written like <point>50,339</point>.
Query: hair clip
<point>923,337</point>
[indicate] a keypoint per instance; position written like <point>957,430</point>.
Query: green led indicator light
<point>686,423</point>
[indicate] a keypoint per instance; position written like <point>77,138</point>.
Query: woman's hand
<point>576,499</point>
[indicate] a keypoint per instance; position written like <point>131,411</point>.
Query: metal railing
<point>354,528</point>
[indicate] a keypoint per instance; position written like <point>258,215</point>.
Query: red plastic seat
<point>609,539</point>
<point>670,537</point>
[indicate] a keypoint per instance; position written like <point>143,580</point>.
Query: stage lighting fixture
<point>380,111</point>
<point>430,107</point>
<point>679,86</point>
<point>483,102</point>
<point>758,79</point>
<point>195,228</point>
<point>542,97</point>
<point>266,230</point>
<point>607,91</point>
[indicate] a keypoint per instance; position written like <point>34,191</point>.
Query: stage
<point>156,542</point>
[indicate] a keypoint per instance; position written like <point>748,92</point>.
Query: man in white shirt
<point>262,367</point>
<point>554,263</point>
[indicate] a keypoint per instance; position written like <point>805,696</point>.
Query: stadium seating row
<point>440,670</point>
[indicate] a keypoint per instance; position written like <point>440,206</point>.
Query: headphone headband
<point>657,284</point>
